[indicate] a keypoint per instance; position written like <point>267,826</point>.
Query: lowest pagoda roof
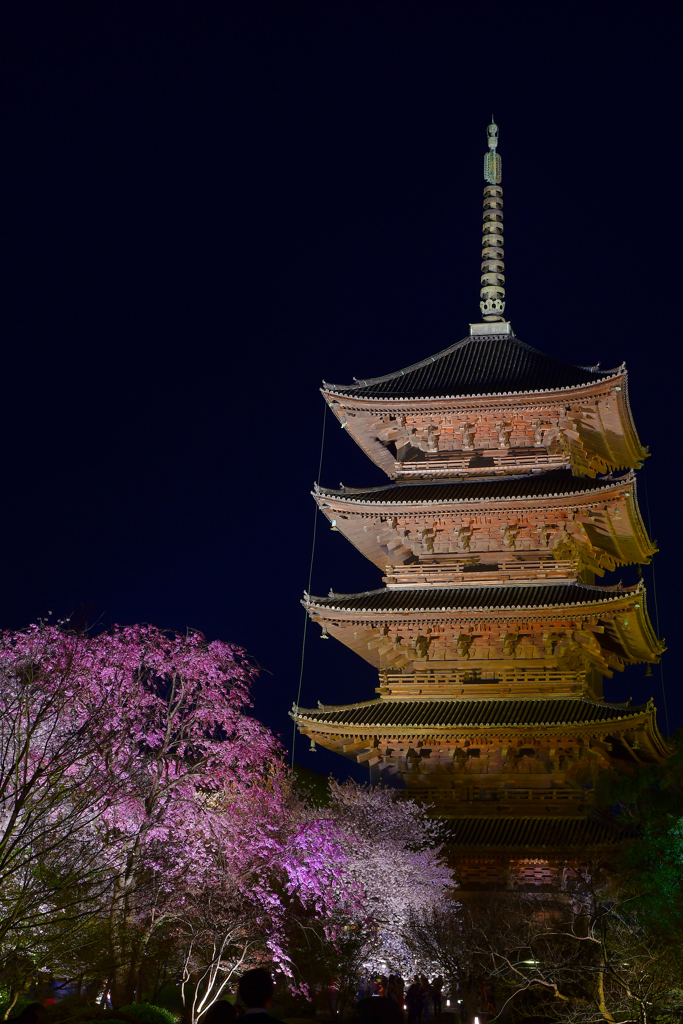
<point>470,713</point>
<point>489,364</point>
<point>554,484</point>
<point>562,834</point>
<point>426,599</point>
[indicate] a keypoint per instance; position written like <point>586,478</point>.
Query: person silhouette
<point>222,1012</point>
<point>256,992</point>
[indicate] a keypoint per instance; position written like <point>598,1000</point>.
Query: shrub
<point>146,1013</point>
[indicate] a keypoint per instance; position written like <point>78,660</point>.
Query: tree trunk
<point>601,999</point>
<point>14,995</point>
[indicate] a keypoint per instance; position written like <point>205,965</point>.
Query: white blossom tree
<point>393,870</point>
<point>394,855</point>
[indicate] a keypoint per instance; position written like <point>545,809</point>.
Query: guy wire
<point>310,577</point>
<point>654,594</point>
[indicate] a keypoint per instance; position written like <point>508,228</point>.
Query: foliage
<point>7,1011</point>
<point>582,954</point>
<point>648,800</point>
<point>646,793</point>
<point>54,791</point>
<point>147,1013</point>
<point>652,869</point>
<point>239,919</point>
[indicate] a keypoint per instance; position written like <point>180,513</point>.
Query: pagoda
<point>512,486</point>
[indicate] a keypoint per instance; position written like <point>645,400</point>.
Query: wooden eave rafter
<point>596,444</point>
<point>348,500</point>
<point>641,721</point>
<point>336,394</point>
<point>610,543</point>
<point>620,616</point>
<point>634,720</point>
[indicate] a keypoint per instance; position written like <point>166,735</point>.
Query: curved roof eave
<point>602,595</point>
<point>426,699</point>
<point>613,375</point>
<point>352,496</point>
<point>494,357</point>
<point>550,716</point>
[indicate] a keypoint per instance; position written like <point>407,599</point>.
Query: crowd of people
<point>421,999</point>
<point>380,1000</point>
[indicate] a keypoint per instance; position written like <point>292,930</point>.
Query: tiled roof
<point>424,599</point>
<point>530,833</point>
<point>470,713</point>
<point>485,365</point>
<point>556,483</point>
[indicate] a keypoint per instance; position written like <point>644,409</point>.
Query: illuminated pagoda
<point>512,487</point>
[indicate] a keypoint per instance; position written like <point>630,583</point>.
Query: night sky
<point>209,208</point>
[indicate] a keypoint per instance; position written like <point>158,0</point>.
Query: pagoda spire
<point>492,266</point>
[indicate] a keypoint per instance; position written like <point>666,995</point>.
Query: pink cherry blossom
<point>161,814</point>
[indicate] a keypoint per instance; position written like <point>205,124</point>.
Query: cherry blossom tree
<point>118,755</point>
<point>394,855</point>
<point>188,751</point>
<point>52,799</point>
<point>240,917</point>
<point>132,775</point>
<point>143,810</point>
<point>393,870</point>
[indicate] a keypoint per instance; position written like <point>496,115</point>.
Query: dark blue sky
<point>208,208</point>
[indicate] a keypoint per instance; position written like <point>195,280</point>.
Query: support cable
<point>654,594</point>
<point>310,578</point>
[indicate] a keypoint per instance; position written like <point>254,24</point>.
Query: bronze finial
<point>492,293</point>
<point>493,165</point>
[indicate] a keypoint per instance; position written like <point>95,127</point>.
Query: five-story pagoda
<point>513,486</point>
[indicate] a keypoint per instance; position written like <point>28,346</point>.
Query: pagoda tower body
<point>512,487</point>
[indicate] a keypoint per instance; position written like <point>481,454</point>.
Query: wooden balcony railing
<point>447,572</point>
<point>481,462</point>
<point>452,800</point>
